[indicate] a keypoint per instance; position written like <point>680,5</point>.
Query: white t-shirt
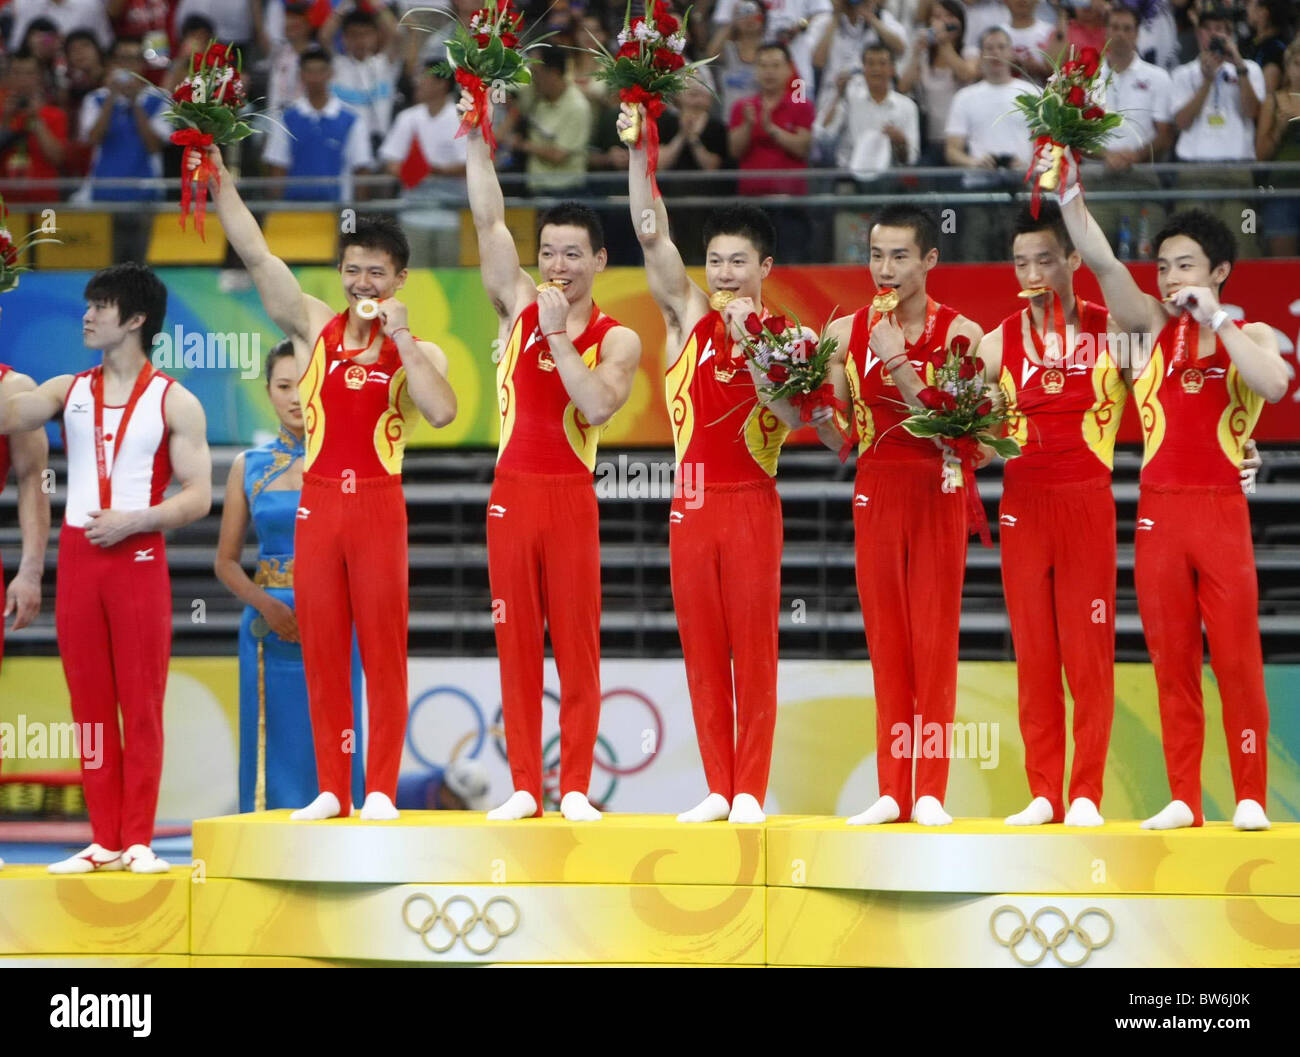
<point>845,52</point>
<point>1220,131</point>
<point>231,19</point>
<point>1143,95</point>
<point>368,85</point>
<point>984,116</point>
<point>1028,42</point>
<point>783,15</point>
<point>435,133</point>
<point>856,130</point>
<point>68,15</point>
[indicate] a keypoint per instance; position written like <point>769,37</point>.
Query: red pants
<point>113,617</point>
<point>911,560</point>
<point>1058,571</point>
<point>350,568</point>
<point>726,576</point>
<point>1194,563</point>
<point>543,539</point>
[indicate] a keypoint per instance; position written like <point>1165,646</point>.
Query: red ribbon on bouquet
<point>654,107</point>
<point>824,396</point>
<point>481,115</point>
<point>967,449</point>
<point>195,141</point>
<point>1042,147</point>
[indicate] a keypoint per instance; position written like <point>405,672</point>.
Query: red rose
<point>630,50</point>
<point>664,21</point>
<point>984,408</point>
<point>960,344</point>
<point>1075,96</point>
<point>931,398</point>
<point>979,365</point>
<point>667,59</point>
<point>481,39</point>
<point>1071,67</point>
<point>216,55</point>
<point>1093,113</point>
<point>1091,61</point>
<point>967,368</point>
<point>947,402</point>
<point>184,92</point>
<point>779,373</point>
<point>777,324</point>
<point>509,40</point>
<point>753,324</point>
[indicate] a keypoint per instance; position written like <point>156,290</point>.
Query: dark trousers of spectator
<point>794,236</point>
<point>131,233</point>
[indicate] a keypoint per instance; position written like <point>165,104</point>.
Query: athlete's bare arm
<point>508,286</point>
<point>299,315</point>
<point>598,392</point>
<point>840,329</point>
<point>1136,311</point>
<point>24,410</point>
<point>29,455</point>
<point>191,467</point>
<point>682,303</point>
<point>425,363</point>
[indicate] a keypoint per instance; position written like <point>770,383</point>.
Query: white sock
<point>746,809</point>
<point>520,805</point>
<point>577,808</point>
<point>378,808</point>
<point>1250,815</point>
<point>1038,813</point>
<point>929,812</point>
<point>1083,812</point>
<point>1175,815</point>
<point>713,808</point>
<point>324,806</point>
<point>883,810</point>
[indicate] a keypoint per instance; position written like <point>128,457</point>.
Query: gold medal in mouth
<point>552,284</point>
<point>367,308</point>
<point>1035,291</point>
<point>720,299</point>
<point>885,301</point>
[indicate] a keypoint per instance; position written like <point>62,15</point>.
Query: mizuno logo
<point>145,555</point>
<point>496,510</point>
<point>79,409</point>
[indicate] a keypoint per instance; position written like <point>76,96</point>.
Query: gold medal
<point>720,299</point>
<point>1034,291</point>
<point>367,308</point>
<point>885,301</point>
<point>552,284</point>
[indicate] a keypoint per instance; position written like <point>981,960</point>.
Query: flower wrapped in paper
<point>1066,114</point>
<point>11,251</point>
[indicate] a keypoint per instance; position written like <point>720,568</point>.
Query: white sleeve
<point>1257,81</point>
<point>356,153</point>
<point>397,144</point>
<point>828,133</point>
<point>162,128</point>
<point>911,129</point>
<point>1182,89</point>
<point>277,151</point>
<point>958,121</point>
<point>1162,96</point>
<point>90,108</point>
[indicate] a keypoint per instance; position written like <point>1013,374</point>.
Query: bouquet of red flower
<point>491,53</point>
<point>647,69</point>
<point>959,409</point>
<point>1067,115</point>
<point>796,363</point>
<point>10,251</point>
<point>205,108</point>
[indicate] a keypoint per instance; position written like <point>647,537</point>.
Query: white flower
<point>622,38</point>
<point>475,24</point>
<point>677,42</point>
<point>780,354</point>
<point>644,32</point>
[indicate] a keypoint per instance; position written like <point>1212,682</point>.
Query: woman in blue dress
<point>277,760</point>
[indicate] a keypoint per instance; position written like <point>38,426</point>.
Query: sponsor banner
<point>215,342</point>
<point>646,758</point>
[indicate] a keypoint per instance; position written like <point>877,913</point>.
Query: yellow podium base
<point>450,888</point>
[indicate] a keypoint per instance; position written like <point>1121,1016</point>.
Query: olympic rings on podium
<point>466,928</point>
<point>1030,928</point>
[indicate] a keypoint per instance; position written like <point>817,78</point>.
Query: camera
<point>1218,46</point>
<point>1004,161</point>
<point>746,8</point>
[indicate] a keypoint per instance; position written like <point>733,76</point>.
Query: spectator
<point>1143,93</point>
<point>1278,139</point>
<point>124,125</point>
<point>44,43</point>
<point>692,139</point>
<point>66,15</point>
<point>798,24</point>
<point>367,69</point>
<point>773,130</point>
<point>322,137</point>
<point>935,71</point>
<point>33,132</point>
<point>1032,39</point>
<point>429,28</point>
<point>856,23</point>
<point>284,86</point>
<point>422,148</point>
<point>1272,25</point>
<point>736,43</point>
<point>196,34</point>
<point>559,129</point>
<point>982,15</point>
<point>866,124</point>
<point>591,35</point>
<point>85,74</point>
<point>237,22</point>
<point>985,134</point>
<point>1080,26</point>
<point>151,21</point>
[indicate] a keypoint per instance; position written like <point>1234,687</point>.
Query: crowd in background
<point>860,87</point>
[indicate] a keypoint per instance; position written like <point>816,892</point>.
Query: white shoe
<point>139,858</point>
<point>91,859</point>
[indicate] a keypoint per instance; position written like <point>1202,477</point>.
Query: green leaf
<point>1006,447</point>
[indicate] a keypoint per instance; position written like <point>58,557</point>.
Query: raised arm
<point>507,284</point>
<point>680,300</point>
<point>1134,310</point>
<point>29,453</point>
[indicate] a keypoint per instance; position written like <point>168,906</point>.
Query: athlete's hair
<point>1207,231</point>
<point>378,232</point>
<point>574,214</point>
<point>278,352</point>
<point>921,221</point>
<point>747,222</point>
<point>1048,219</point>
<point>133,288</point>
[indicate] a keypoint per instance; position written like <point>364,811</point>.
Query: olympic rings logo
<point>474,741</point>
<point>474,920</point>
<point>1068,929</point>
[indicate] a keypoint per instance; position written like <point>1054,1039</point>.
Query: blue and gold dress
<point>277,760</point>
